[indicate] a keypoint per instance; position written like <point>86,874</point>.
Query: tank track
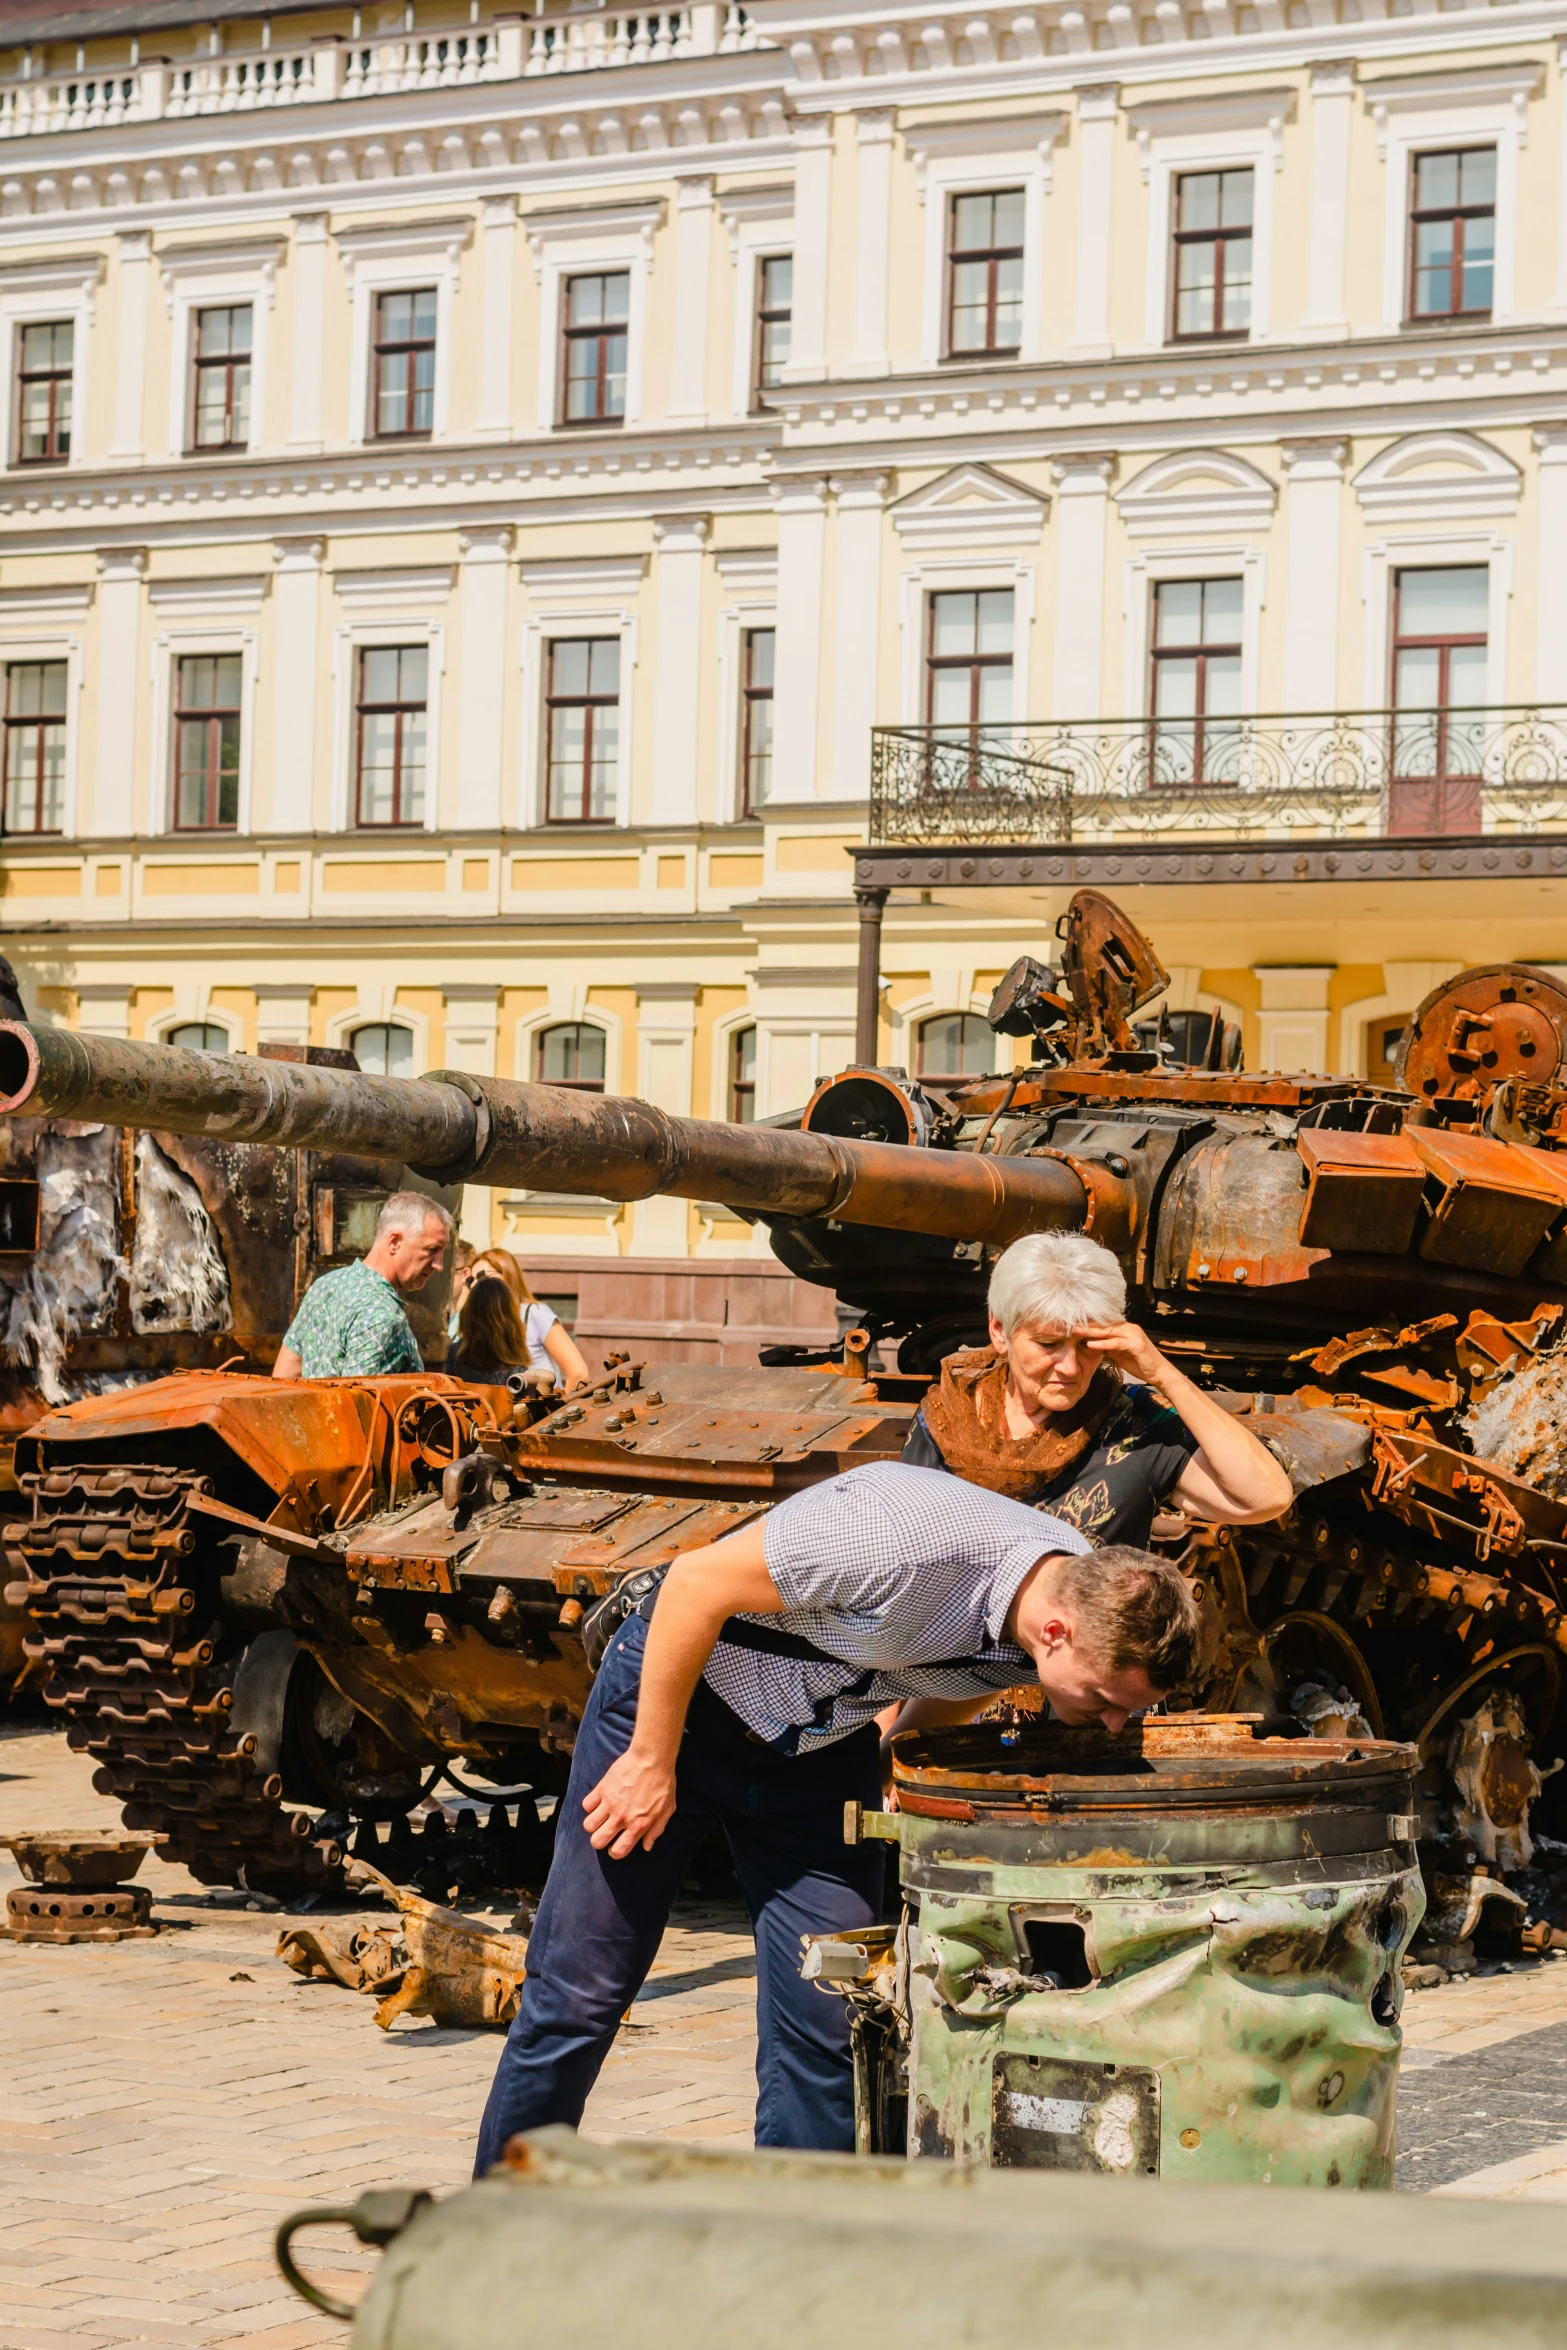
<point>114,1586</point>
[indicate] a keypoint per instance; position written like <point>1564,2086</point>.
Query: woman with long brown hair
<point>502,1327</point>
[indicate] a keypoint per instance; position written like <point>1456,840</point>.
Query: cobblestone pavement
<point>164,2103</point>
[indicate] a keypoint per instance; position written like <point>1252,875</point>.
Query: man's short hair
<point>409,1212</point>
<point>1134,1609</point>
<point>1057,1281</point>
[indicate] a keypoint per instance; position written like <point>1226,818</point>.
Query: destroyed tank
<point>271,1613</point>
<point>125,1254</point>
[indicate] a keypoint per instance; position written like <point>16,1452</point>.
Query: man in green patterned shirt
<point>350,1323</point>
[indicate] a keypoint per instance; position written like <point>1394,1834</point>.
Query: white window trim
<point>539,630</point>
<point>169,646</point>
<point>1382,557</point>
<point>760,222</point>
<point>733,623</point>
<point>921,580</point>
<point>211,280</point>
<point>966,158</point>
<point>1167,158</point>
<point>346,646</point>
<point>907,1019</point>
<point>1480,107</point>
<point>558,1015</point>
<point>1142,575</point>
<point>28,296</point>
<point>162,1024</point>
<point>69,650</point>
<point>378,1008</point>
<point>384,261</point>
<point>570,244</point>
<point>721,1035</point>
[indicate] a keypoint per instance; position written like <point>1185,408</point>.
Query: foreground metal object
<point>81,1862</point>
<point>666,2247</point>
<point>1174,1952</point>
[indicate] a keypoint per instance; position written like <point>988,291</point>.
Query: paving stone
<point>158,2119</point>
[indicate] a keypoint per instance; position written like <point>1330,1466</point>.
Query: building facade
<point>474,483</point>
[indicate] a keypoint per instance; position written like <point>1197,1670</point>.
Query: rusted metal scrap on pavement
<point>78,1888</point>
<point>435,1962</point>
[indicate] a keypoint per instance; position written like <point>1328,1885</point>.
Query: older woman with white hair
<point>1073,1408</point>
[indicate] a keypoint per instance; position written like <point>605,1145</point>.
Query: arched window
<point>199,1036</point>
<point>570,1054</point>
<point>952,1045</point>
<point>383,1049</point>
<point>742,1075</point>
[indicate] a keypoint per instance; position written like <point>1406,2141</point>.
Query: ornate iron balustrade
<point>1345,775</point>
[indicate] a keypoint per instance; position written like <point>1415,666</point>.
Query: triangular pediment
<point>970,506</point>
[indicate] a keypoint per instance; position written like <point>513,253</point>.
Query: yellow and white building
<point>473,482</point>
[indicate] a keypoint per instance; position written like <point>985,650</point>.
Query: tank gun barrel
<point>503,1133</point>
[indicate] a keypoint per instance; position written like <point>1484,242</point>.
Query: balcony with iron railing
<point>34,102</point>
<point>1345,780</point>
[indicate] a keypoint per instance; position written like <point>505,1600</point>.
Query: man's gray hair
<point>409,1212</point>
<point>1057,1281</point>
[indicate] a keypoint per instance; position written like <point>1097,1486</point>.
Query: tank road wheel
<point>333,1755</point>
<point>1310,1674</point>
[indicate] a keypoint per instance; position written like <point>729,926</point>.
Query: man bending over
<point>747,1700</point>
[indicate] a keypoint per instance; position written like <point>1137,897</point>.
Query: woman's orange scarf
<point>966,1415</point>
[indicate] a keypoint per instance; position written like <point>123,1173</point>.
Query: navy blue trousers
<point>600,1921</point>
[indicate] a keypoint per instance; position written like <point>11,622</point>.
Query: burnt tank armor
<point>271,1612</point>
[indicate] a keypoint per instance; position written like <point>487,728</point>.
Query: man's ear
<point>1054,1633</point>
<point>998,1337</point>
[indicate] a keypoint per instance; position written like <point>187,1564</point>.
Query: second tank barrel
<point>503,1133</point>
<point>549,1139</point>
<point>59,1073</point>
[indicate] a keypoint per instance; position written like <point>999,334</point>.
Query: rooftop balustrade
<point>159,89</point>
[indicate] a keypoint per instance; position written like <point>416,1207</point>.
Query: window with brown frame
<point>756,718</point>
<point>1452,233</point>
<point>954,1045</point>
<point>402,397</point>
<point>582,725</point>
<point>1212,273</point>
<point>1195,690</point>
<point>774,320</point>
<point>596,313</point>
<point>572,1054</point>
<point>34,746</point>
<point>45,354</point>
<point>206,742</point>
<point>220,393</point>
<point>390,712</point>
<point>985,275</point>
<point>968,657</point>
<point>383,1048</point>
<point>742,1076</point>
<point>1441,620</point>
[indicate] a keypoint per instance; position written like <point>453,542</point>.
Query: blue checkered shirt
<point>906,1575</point>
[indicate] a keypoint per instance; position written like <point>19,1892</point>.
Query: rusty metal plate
<point>1365,1190</point>
<point>564,1512</point>
<point>1497,1206</point>
<point>1050,2115</point>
